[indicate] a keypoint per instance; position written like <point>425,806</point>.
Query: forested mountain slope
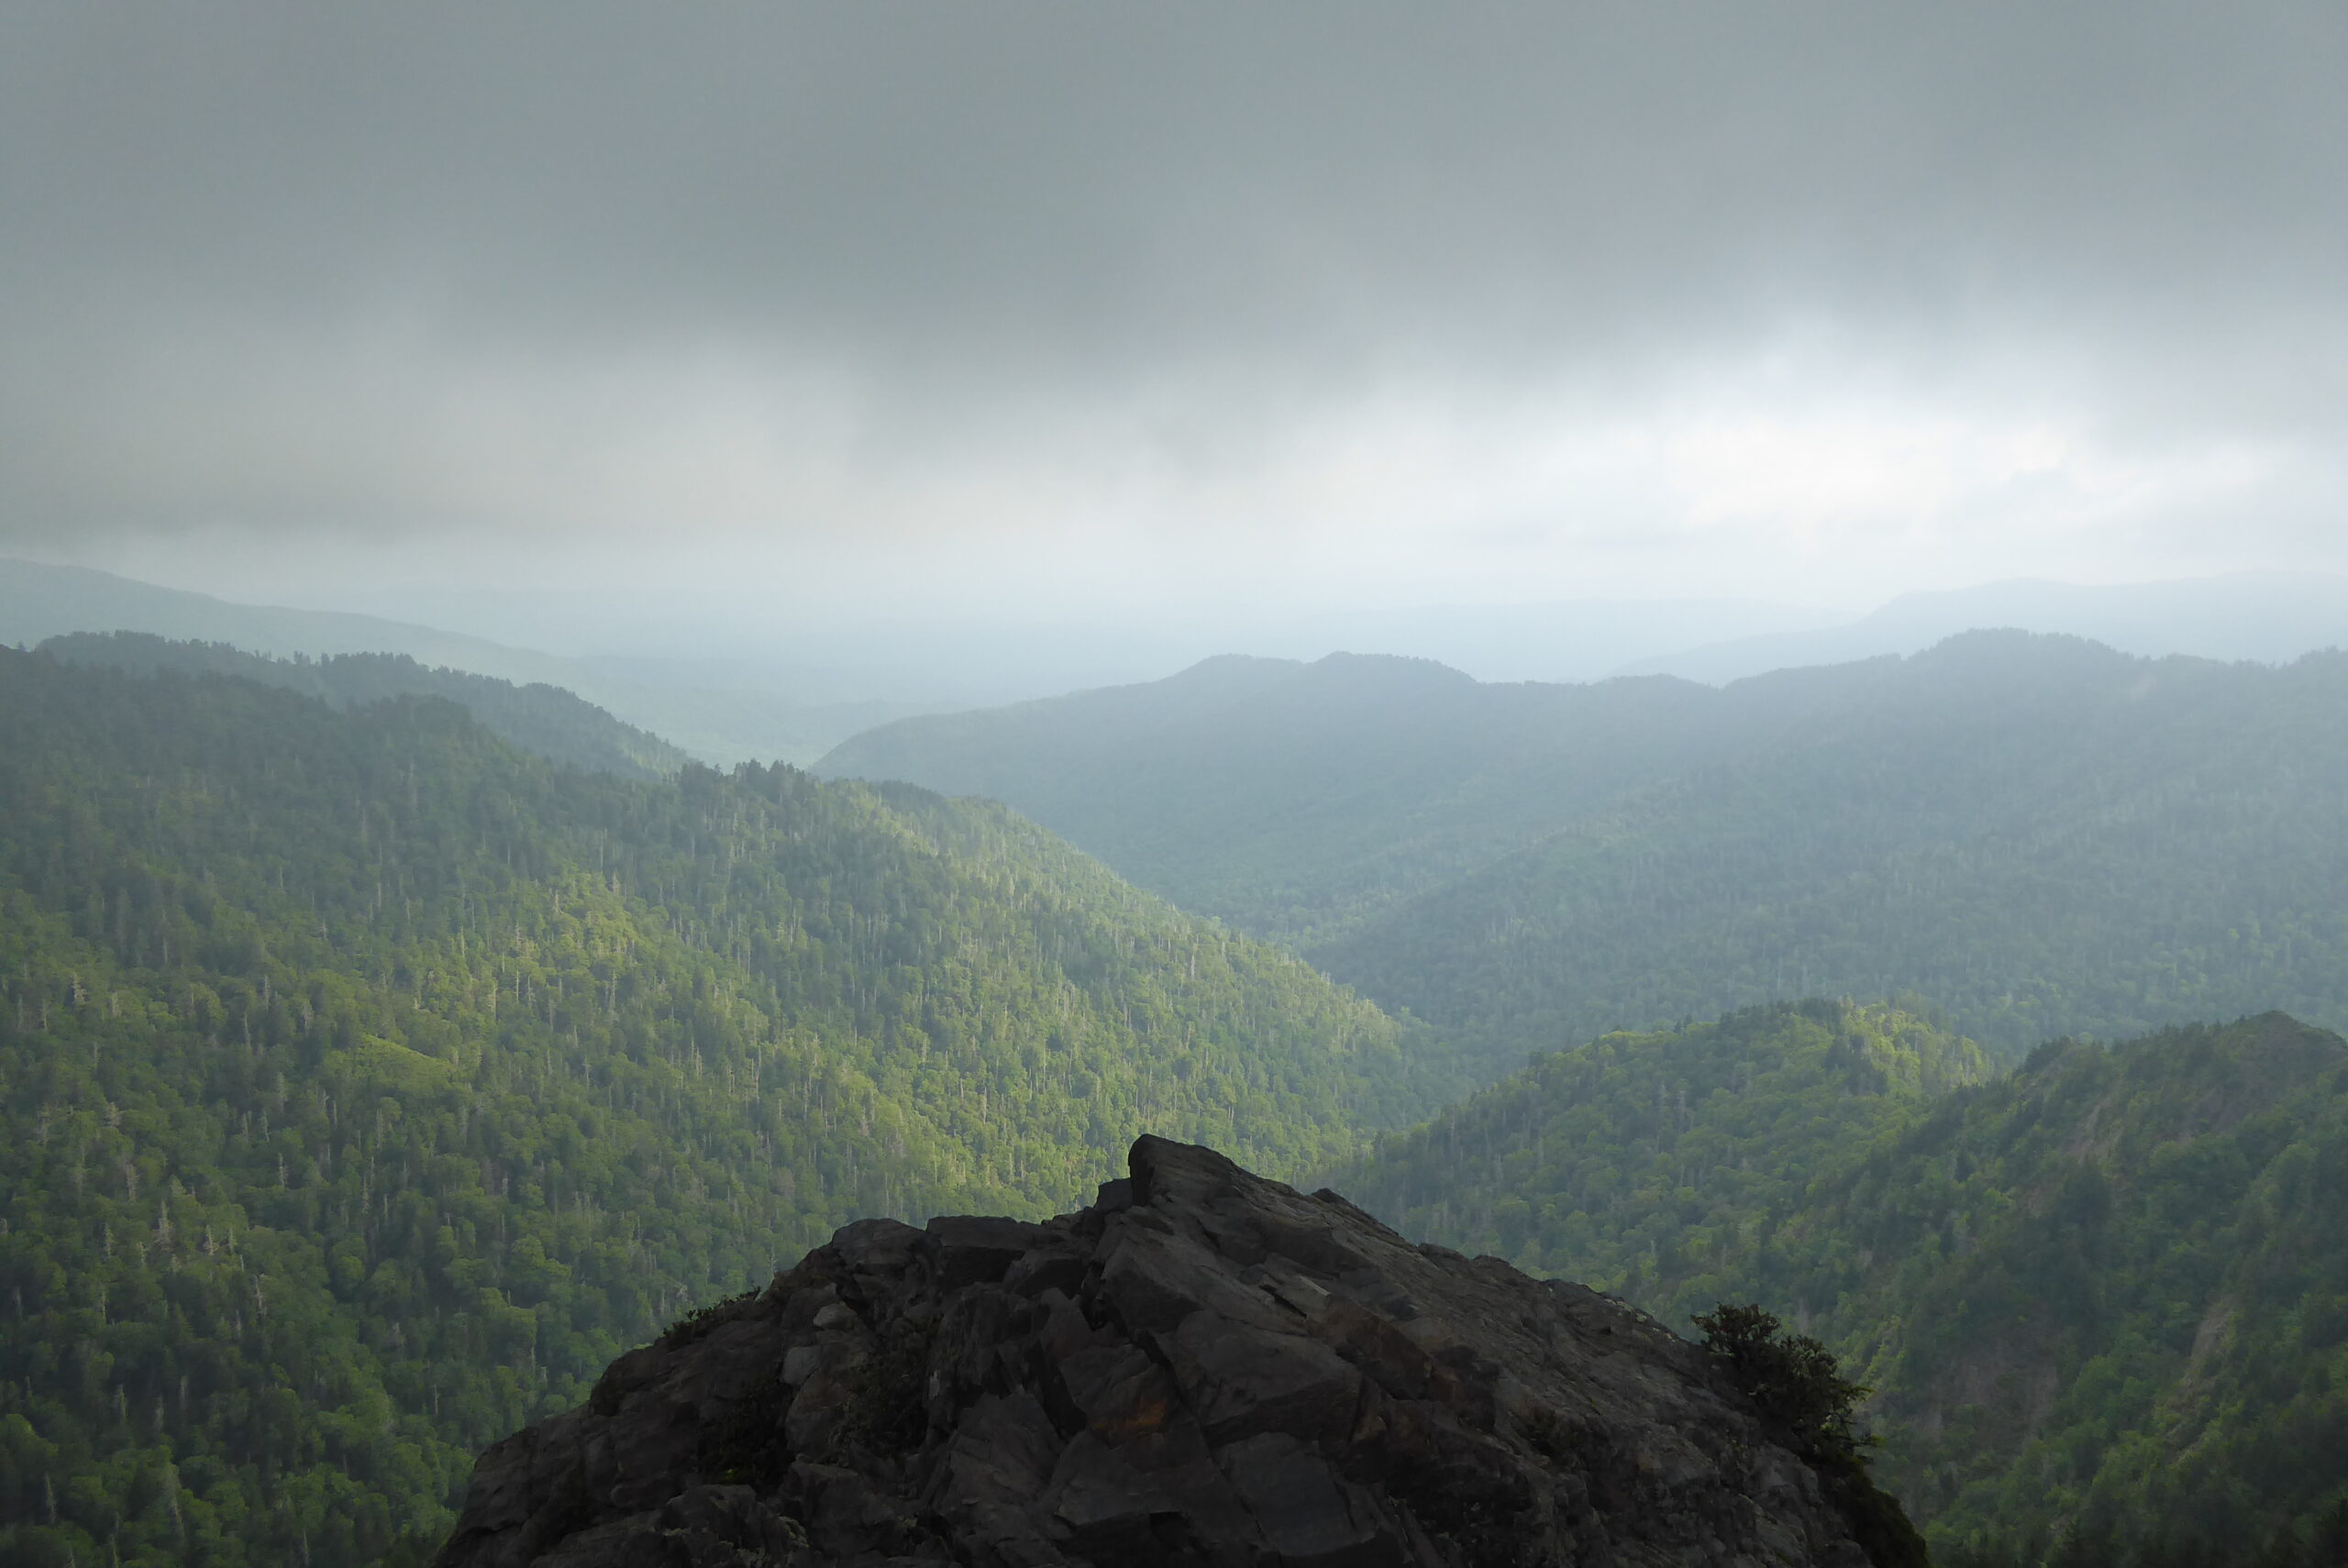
<point>1293,799</point>
<point>2105,1298</point>
<point>2109,1291</point>
<point>366,1084</point>
<point>1636,1163</point>
<point>544,719</point>
<point>2042,835</point>
<point>769,714</point>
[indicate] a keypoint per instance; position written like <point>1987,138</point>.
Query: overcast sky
<point>1041,306</point>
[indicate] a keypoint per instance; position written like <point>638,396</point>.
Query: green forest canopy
<point>2044,836</point>
<point>370,1083</point>
<point>2104,1298</point>
<point>537,717</point>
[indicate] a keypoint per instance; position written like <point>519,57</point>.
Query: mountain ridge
<point>547,720</point>
<point>2101,1299</point>
<point>1530,866</point>
<point>2270,617</point>
<point>39,601</point>
<point>2044,836</point>
<point>367,1084</point>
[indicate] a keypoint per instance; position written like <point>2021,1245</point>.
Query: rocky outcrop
<point>1203,1367</point>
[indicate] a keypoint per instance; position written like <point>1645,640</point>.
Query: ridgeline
<point>369,1083</point>
<point>2043,837</point>
<point>2102,1302</point>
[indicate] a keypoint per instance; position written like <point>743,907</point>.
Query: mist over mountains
<point>555,723</point>
<point>2269,616</point>
<point>2042,835</point>
<point>727,684</point>
<point>715,710</point>
<point>285,937</point>
<point>1129,677</point>
<point>974,657</point>
<point>1413,830</point>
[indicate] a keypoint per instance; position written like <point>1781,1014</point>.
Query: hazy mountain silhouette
<point>556,725</point>
<point>2270,616</point>
<point>719,722</point>
<point>2040,832</point>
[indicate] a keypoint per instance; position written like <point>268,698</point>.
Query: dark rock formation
<point>1203,1367</point>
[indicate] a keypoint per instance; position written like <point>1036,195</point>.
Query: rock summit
<point>1202,1367</point>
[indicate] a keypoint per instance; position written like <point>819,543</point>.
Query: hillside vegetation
<point>2103,1301</point>
<point>1638,1162</point>
<point>2042,835</point>
<point>716,712</point>
<point>366,1085</point>
<point>1293,800</point>
<point>2107,1296</point>
<point>553,723</point>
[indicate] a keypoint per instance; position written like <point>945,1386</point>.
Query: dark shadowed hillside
<point>2107,1296</point>
<point>1638,1162</point>
<point>2039,833</point>
<point>1297,799</point>
<point>2103,1300</point>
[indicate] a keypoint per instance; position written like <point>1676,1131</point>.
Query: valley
<point>2098,1298</point>
<point>2041,835</point>
<point>1346,784</point>
<point>369,1083</point>
<point>389,1049</point>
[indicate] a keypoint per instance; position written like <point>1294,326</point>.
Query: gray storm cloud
<point>901,267</point>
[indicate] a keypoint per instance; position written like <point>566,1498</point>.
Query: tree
<point>1792,1377</point>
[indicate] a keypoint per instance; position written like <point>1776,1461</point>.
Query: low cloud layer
<point>1356,302</point>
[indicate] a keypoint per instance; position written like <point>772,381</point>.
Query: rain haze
<point>1415,782</point>
<point>643,327</point>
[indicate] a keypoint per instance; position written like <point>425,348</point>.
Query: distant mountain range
<point>2269,616</point>
<point>553,723</point>
<point>1559,640</point>
<point>974,660</point>
<point>1294,799</point>
<point>718,722</point>
<point>2042,835</point>
<point>734,684</point>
